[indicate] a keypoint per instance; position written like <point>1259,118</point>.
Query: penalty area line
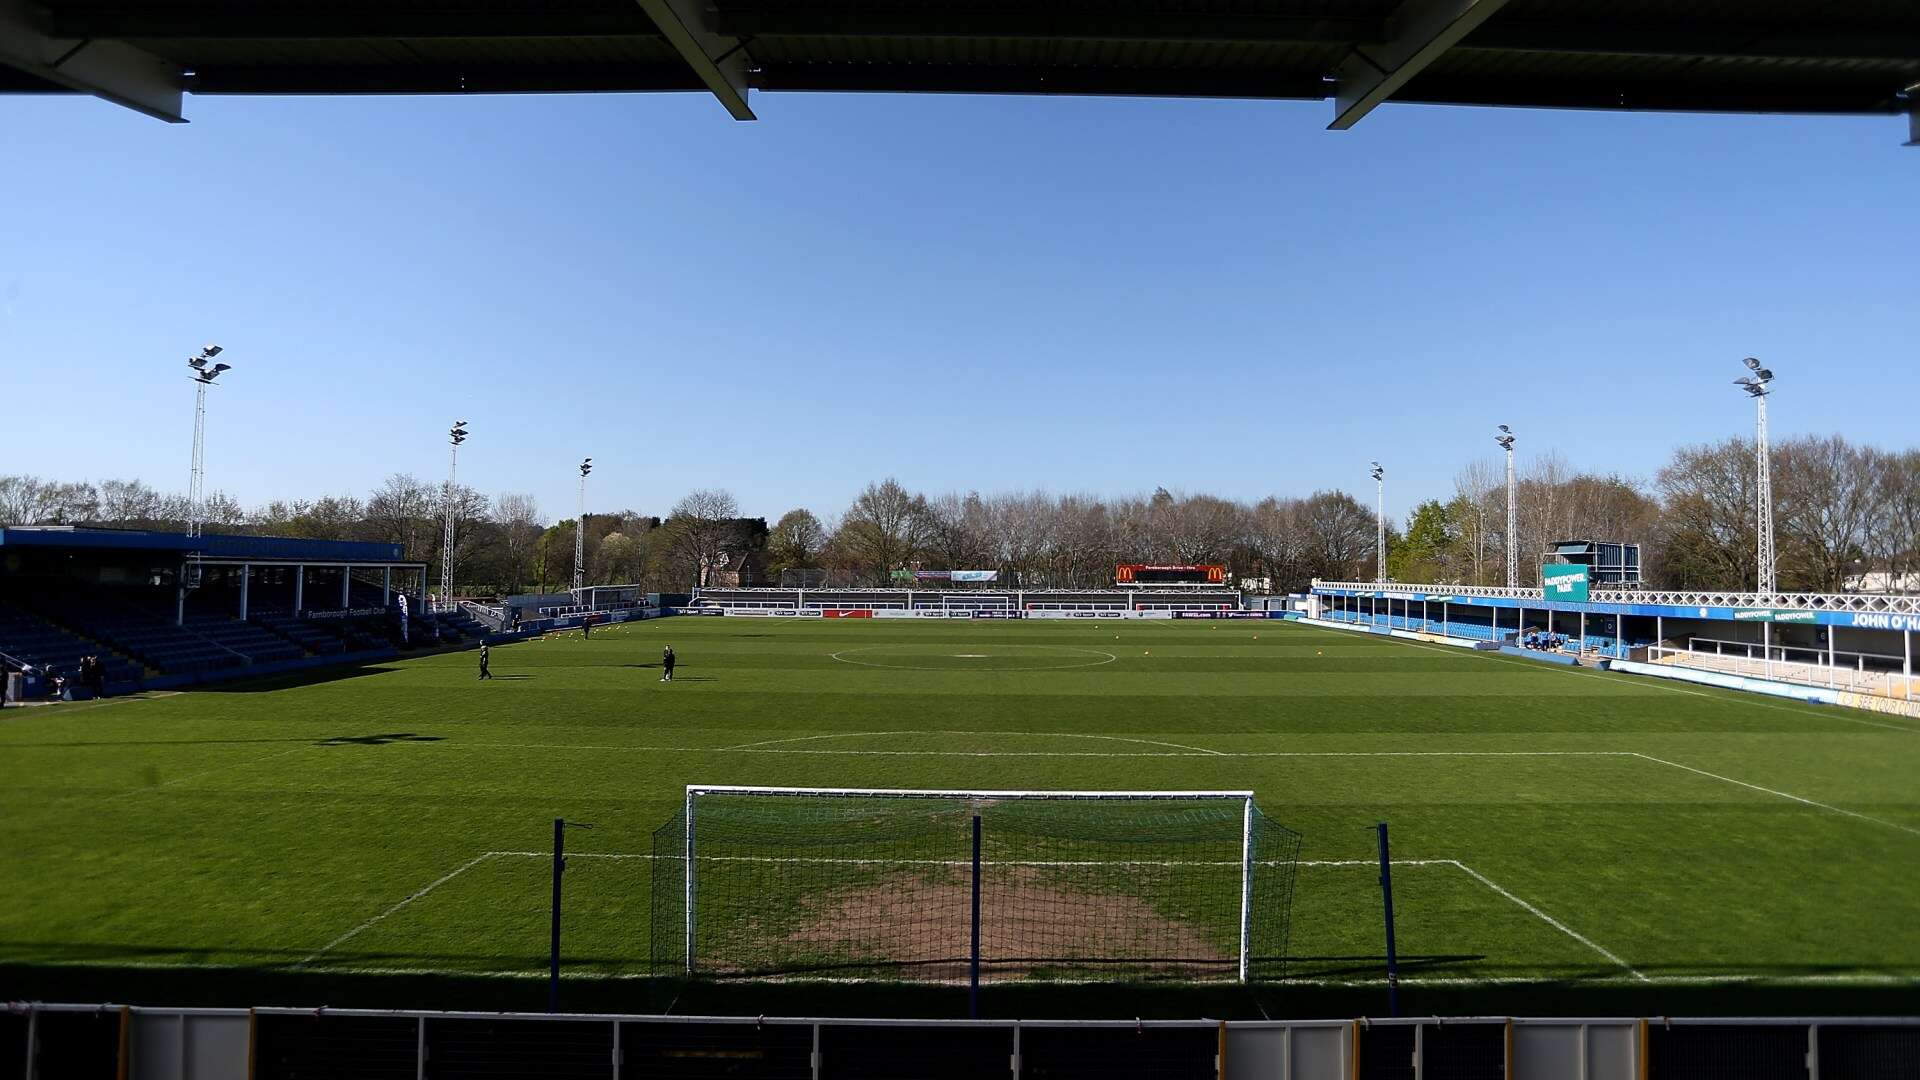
<point>384,915</point>
<point>1782,794</point>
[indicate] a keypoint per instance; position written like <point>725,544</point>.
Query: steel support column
<point>1419,32</point>
<point>112,70</point>
<point>719,62</point>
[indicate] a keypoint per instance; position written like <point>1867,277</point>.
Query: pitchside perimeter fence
<point>109,1042</point>
<point>857,884</point>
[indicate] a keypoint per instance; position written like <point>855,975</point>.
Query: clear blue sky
<point>964,292</point>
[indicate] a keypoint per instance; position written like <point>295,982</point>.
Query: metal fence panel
<point>81,1045</point>
<point>1727,1052</point>
<point>159,1046</point>
<point>13,1044</point>
<point>945,1053</point>
<point>1868,1052</point>
<point>1386,1051</point>
<point>1550,1052</point>
<point>1119,1053</point>
<point>1463,1052</point>
<point>327,1046</point>
<point>1612,1051</point>
<point>1288,1052</point>
<point>713,1051</point>
<point>520,1049</point>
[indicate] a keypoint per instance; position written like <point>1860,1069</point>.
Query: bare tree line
<point>1841,510</point>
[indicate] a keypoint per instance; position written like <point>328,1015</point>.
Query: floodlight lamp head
<point>1505,430</point>
<point>210,351</point>
<point>218,368</point>
<point>1752,364</point>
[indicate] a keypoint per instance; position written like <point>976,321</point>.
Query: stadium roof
<point>1796,56</point>
<point>212,545</point>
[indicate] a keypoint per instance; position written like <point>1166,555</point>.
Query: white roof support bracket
<point>720,62</point>
<point>112,70</point>
<point>1418,33</point>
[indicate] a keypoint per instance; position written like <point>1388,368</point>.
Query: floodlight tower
<point>1505,439</point>
<point>203,376</point>
<point>1755,385</point>
<point>580,533</point>
<point>1380,522</point>
<point>456,436</point>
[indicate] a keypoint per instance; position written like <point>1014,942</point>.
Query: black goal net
<point>887,886</point>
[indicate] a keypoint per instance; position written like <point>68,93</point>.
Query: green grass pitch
<point>1550,825</point>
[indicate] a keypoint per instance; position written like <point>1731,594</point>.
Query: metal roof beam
<point>984,79</point>
<point>112,70</point>
<point>1065,26</point>
<point>442,79</point>
<point>1855,98</point>
<point>1732,42</point>
<point>1420,31</point>
<point>344,25</point>
<point>719,63</point>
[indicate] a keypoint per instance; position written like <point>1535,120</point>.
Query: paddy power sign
<point>1775,616</point>
<point>1562,582</point>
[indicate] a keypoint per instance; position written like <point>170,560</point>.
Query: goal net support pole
<point>841,882</point>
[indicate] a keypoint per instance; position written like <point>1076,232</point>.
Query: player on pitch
<point>666,662</point>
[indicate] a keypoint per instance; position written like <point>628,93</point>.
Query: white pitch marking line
<point>1549,920</point>
<point>1783,794</point>
<point>377,919</point>
<point>1863,978</point>
<point>1455,863</point>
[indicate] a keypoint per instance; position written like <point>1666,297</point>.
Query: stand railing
<point>1873,602</point>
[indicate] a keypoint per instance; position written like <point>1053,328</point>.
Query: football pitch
<point>1550,825</point>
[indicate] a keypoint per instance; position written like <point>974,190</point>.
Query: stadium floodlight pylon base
<point>879,884</point>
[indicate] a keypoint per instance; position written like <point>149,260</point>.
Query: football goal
<point>944,886</point>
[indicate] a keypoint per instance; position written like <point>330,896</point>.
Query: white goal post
<point>1146,885</point>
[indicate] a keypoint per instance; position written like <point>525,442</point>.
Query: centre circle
<point>947,656</point>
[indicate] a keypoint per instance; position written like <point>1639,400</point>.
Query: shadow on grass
<point>378,740</point>
<point>293,679</point>
<point>283,985</point>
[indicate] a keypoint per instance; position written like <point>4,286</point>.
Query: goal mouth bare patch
<point>981,657</point>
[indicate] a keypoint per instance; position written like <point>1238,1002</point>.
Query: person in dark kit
<point>97,678</point>
<point>666,663</point>
<point>484,657</point>
<point>586,628</point>
<point>516,619</point>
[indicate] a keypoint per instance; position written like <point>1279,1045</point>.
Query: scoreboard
<point>1152,574</point>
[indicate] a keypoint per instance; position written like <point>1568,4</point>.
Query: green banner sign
<point>1563,582</point>
<point>1775,615</point>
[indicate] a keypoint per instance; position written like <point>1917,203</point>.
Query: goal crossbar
<point>958,793</point>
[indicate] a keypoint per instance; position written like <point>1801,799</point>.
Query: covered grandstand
<point>166,609</point>
<point>965,603</point>
<point>1794,56</point>
<point>1861,644</point>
